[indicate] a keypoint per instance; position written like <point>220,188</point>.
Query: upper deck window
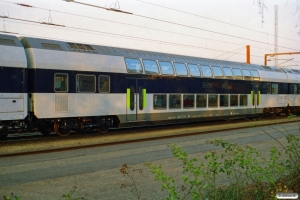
<point>206,71</point>
<point>217,72</point>
<point>80,47</point>
<point>166,68</point>
<point>51,46</point>
<point>150,67</point>
<point>228,73</point>
<point>8,42</point>
<point>247,75</point>
<point>194,70</point>
<point>238,74</point>
<point>133,65</point>
<point>180,69</point>
<point>255,75</point>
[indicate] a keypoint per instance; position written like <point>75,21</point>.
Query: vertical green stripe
<point>258,97</point>
<point>144,98</point>
<point>251,97</point>
<point>128,98</point>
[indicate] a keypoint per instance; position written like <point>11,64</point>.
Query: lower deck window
<point>212,100</point>
<point>174,101</point>
<point>85,83</point>
<point>234,100</point>
<point>188,101</point>
<point>224,100</point>
<point>201,101</point>
<point>159,101</point>
<point>243,100</point>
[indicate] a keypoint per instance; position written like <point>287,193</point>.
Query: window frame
<point>220,70</point>
<point>217,100</point>
<point>237,77</point>
<point>204,76</point>
<point>99,83</point>
<point>166,102</point>
<point>131,71</point>
<point>66,81</point>
<point>220,97</point>
<point>188,107</point>
<point>241,105</point>
<point>161,71</point>
<point>186,71</point>
<point>255,78</point>
<point>206,99</point>
<point>225,76</point>
<point>247,78</point>
<point>76,84</point>
<point>180,101</point>
<point>158,72</point>
<point>188,64</point>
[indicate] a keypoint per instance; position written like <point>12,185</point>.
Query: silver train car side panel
<point>13,92</point>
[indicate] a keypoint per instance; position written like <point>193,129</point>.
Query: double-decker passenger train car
<point>63,86</point>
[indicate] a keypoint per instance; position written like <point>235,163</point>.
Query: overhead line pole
<point>278,54</point>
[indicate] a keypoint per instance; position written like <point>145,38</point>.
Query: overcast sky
<point>204,28</point>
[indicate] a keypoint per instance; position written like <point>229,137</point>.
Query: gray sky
<point>214,28</point>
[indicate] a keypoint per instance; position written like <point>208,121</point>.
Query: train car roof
<point>39,43</point>
<point>10,40</point>
<point>29,42</point>
<point>11,52</point>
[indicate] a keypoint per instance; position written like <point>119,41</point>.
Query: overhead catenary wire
<point>127,24</point>
<point>159,29</point>
<point>125,36</point>
<point>215,20</point>
<point>197,28</point>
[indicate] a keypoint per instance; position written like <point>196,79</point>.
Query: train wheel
<point>3,133</point>
<point>45,128</point>
<point>62,128</point>
<point>104,127</point>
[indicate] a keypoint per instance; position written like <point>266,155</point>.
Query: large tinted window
<point>247,75</point>
<point>133,65</point>
<point>188,100</point>
<point>238,74</point>
<point>159,101</point>
<point>150,67</point>
<point>85,83</point>
<point>224,100</point>
<point>180,69</point>
<point>206,71</point>
<point>194,70</point>
<point>61,82</point>
<point>234,100</point>
<point>201,100</point>
<point>255,75</point>
<point>213,100</point>
<point>174,101</point>
<point>243,100</point>
<point>227,72</point>
<point>217,72</point>
<point>166,68</point>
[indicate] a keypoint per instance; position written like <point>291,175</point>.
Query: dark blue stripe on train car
<point>42,81</point>
<point>13,80</point>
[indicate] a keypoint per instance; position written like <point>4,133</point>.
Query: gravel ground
<point>106,184</point>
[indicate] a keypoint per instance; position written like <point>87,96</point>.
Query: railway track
<point>34,143</point>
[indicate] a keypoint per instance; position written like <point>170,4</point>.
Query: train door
<point>255,96</point>
<point>135,99</point>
